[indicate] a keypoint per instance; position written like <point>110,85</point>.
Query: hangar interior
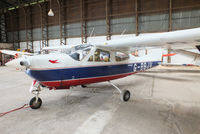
<point>29,21</point>
<point>164,100</point>
<point>27,26</point>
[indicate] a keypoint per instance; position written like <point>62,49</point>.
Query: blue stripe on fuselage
<point>89,72</point>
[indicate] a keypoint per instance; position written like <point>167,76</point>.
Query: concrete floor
<point>163,102</point>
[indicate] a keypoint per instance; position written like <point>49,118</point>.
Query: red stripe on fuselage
<point>75,82</point>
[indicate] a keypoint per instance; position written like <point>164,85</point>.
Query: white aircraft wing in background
<point>15,53</point>
<point>58,47</point>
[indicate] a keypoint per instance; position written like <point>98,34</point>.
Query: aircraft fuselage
<point>90,65</point>
<point>61,78</point>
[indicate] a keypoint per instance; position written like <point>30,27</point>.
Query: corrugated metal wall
<point>103,17</point>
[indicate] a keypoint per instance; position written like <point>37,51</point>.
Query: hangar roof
<point>12,4</point>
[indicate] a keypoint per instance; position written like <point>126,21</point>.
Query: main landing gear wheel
<point>125,95</point>
<point>35,104</point>
<point>83,86</point>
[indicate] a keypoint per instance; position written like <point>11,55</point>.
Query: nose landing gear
<point>35,102</point>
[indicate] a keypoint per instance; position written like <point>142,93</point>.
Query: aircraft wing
<point>165,39</point>
<point>58,47</point>
<point>14,53</point>
<point>188,53</point>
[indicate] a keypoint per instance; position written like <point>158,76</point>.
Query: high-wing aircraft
<point>91,63</point>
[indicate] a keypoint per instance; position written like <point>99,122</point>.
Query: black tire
<point>83,86</point>
<point>125,95</point>
<point>42,85</point>
<point>33,103</point>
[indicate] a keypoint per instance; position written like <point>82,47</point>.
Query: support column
<point>61,23</point>
<point>64,22</point>
<point>83,22</point>
<point>1,61</point>
<point>146,51</point>
<point>15,25</point>
<point>29,28</point>
<point>3,32</point>
<point>170,15</point>
<point>108,10</point>
<point>44,24</point>
<point>136,18</point>
<point>169,57</point>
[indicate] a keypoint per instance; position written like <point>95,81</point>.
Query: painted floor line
<point>95,123</point>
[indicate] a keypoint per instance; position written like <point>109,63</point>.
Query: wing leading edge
<point>14,53</point>
<point>173,38</point>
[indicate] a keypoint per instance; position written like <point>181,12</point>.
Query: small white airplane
<point>91,63</point>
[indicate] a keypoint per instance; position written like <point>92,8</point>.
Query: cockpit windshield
<point>79,52</point>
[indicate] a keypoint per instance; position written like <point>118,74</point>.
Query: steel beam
<point>29,28</point>
<point>3,32</point>
<point>108,12</point>
<point>64,22</point>
<point>44,24</point>
<point>61,24</point>
<point>7,3</point>
<point>136,18</point>
<point>170,15</point>
<point>1,59</point>
<point>15,32</point>
<point>83,22</point>
<point>169,57</point>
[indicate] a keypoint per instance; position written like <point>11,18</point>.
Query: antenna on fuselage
<point>123,31</point>
<point>91,33</point>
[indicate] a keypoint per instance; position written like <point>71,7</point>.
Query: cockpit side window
<point>100,56</point>
<point>119,56</point>
<point>79,52</point>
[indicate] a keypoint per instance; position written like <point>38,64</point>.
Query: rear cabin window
<point>119,56</point>
<point>100,56</point>
<point>135,53</point>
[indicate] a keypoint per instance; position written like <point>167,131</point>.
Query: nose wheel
<point>35,103</point>
<point>124,94</point>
